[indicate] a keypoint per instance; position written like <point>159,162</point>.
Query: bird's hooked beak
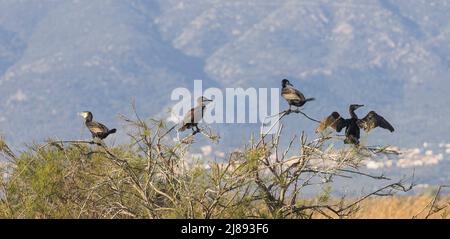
<point>206,100</point>
<point>359,106</point>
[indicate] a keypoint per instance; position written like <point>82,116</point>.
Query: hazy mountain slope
<point>10,49</point>
<point>60,57</point>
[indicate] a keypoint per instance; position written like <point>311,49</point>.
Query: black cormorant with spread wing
<point>97,129</point>
<point>334,121</point>
<point>353,125</point>
<point>293,96</point>
<point>195,115</point>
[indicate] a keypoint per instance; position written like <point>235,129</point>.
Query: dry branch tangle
<point>152,177</point>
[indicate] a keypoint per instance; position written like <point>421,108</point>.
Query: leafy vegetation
<point>154,177</point>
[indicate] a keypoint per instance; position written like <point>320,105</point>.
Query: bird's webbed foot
<point>290,110</point>
<point>195,130</point>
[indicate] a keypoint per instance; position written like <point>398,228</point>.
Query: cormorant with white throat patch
<point>97,129</point>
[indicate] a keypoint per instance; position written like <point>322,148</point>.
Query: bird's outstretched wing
<point>290,93</point>
<point>334,121</point>
<point>373,120</point>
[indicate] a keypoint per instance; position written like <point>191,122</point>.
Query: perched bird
<point>97,129</point>
<point>352,132</point>
<point>195,115</point>
<point>352,126</point>
<point>293,96</point>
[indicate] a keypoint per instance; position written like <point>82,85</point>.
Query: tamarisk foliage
<point>153,176</point>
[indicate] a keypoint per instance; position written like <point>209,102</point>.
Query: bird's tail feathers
<point>112,131</point>
<point>310,99</point>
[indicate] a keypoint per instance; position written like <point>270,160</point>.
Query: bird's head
<point>87,115</point>
<point>203,101</point>
<point>355,107</point>
<point>285,83</point>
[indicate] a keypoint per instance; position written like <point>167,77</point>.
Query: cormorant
<point>195,115</point>
<point>353,125</point>
<point>97,129</point>
<point>293,96</point>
